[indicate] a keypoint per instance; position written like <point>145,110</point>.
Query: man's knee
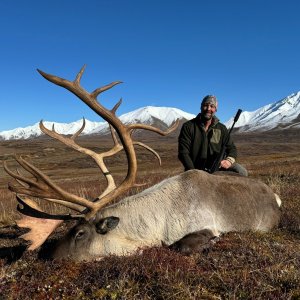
<point>238,169</point>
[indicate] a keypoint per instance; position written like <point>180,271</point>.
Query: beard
<point>207,116</point>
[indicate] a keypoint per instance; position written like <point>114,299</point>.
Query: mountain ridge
<point>280,115</point>
<point>149,115</point>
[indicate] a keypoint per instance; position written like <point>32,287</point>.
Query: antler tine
<point>79,75</point>
<point>113,135</point>
<point>114,109</point>
<point>78,132</point>
<point>154,129</point>
<point>112,131</point>
<point>19,181</point>
<point>100,90</point>
<point>149,149</point>
<point>55,134</point>
<point>33,210</point>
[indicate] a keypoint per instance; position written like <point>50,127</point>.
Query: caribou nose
<point>47,250</point>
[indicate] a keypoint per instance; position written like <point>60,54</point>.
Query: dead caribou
<point>193,201</point>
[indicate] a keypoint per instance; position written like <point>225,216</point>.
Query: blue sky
<point>167,53</point>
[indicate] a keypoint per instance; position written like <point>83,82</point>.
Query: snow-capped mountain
<point>282,114</point>
<point>34,130</point>
<point>145,115</point>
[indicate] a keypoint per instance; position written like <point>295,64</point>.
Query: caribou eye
<point>79,234</point>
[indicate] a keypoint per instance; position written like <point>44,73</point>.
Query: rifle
<point>216,164</point>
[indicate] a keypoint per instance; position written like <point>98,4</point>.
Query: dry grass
<point>240,266</point>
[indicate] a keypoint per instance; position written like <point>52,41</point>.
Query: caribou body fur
<point>189,202</point>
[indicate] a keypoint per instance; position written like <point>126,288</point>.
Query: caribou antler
<point>42,186</point>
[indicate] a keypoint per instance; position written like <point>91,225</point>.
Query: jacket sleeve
<point>231,150</point>
<point>184,147</point>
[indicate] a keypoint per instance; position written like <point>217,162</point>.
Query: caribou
<point>181,211</point>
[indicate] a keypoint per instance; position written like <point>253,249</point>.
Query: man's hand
<point>225,164</point>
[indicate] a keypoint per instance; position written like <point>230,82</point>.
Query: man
<point>201,139</point>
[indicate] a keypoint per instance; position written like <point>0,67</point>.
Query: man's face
<point>208,110</point>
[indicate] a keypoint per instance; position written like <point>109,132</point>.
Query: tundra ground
<point>240,266</point>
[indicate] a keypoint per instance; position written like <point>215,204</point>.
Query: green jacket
<point>198,149</point>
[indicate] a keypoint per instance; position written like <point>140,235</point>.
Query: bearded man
<point>201,139</point>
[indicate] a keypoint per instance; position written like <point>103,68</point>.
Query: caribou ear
<point>107,224</point>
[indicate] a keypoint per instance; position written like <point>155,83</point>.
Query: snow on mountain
<point>145,115</point>
<point>282,114</point>
<point>34,130</point>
